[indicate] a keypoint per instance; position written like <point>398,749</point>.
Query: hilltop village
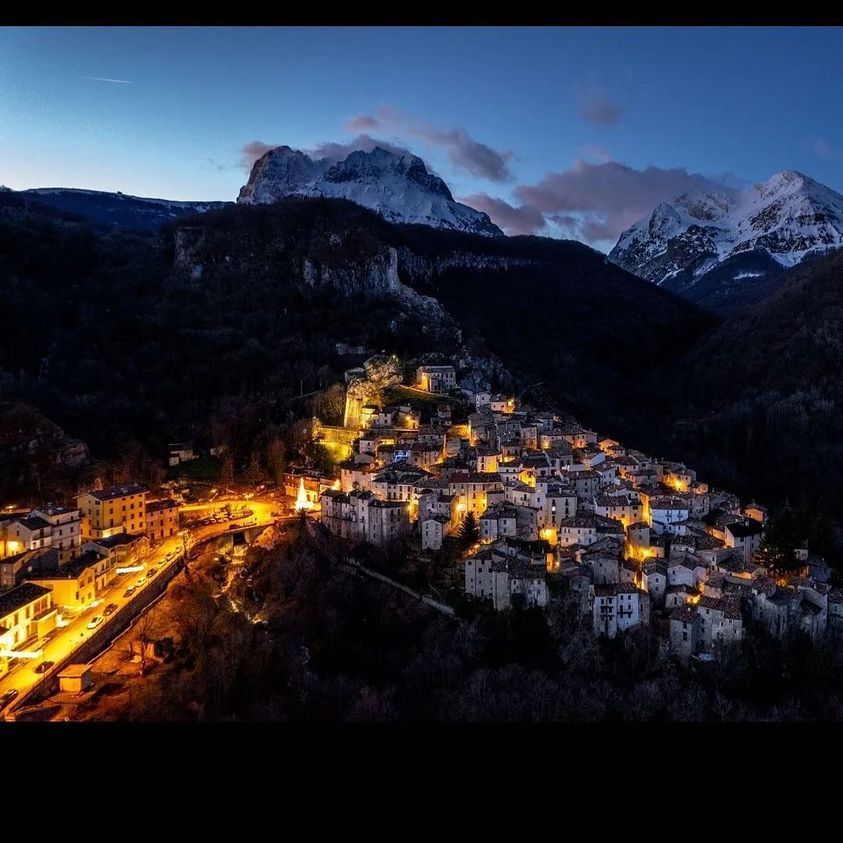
<point>525,504</point>
<point>549,504</point>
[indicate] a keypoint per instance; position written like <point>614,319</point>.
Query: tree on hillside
<point>254,472</point>
<point>227,469</point>
<point>276,458</point>
<point>782,534</point>
<point>329,405</point>
<point>469,531</point>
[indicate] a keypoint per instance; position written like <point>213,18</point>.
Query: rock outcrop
<point>396,186</point>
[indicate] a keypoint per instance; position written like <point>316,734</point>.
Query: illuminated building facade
<point>26,614</point>
<point>118,509</point>
<point>162,519</point>
<point>436,378</point>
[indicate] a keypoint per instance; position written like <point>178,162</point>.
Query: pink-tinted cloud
<point>469,155</point>
<point>363,123</point>
<point>253,150</point>
<point>591,202</point>
<point>366,143</point>
<point>611,196</point>
<point>333,151</point>
<point>512,219</point>
<point>464,152</point>
<point>597,108</point>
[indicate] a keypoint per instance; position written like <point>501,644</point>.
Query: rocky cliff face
<point>26,432</point>
<point>421,268</point>
<point>35,453</point>
<point>382,372</point>
<point>398,187</point>
<point>330,263</point>
<point>335,271</point>
<point>787,218</point>
<point>375,278</point>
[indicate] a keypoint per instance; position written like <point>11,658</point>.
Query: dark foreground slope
<point>766,388</point>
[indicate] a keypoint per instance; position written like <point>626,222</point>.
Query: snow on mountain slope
<point>789,217</point>
<point>398,187</point>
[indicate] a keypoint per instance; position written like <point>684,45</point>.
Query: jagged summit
<point>396,185</point>
<point>787,218</point>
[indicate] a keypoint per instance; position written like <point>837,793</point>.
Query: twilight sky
<point>579,130</point>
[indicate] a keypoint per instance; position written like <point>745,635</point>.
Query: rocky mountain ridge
<point>399,187</point>
<point>788,218</point>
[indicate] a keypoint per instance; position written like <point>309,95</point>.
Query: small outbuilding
<point>75,679</point>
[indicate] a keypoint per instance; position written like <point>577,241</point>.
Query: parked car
<point>44,667</point>
<point>8,697</point>
<point>151,573</point>
<point>95,621</point>
<point>129,591</point>
<point>140,581</point>
<point>110,609</point>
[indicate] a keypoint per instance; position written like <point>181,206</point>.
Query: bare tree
<point>143,627</point>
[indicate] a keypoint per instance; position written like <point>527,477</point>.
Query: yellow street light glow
<point>21,654</point>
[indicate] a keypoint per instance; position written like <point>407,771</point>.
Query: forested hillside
<point>213,327</point>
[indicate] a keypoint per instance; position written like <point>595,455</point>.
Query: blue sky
<point>698,103</point>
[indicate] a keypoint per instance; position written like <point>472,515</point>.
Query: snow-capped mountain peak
<point>396,185</point>
<point>787,181</point>
<point>787,218</point>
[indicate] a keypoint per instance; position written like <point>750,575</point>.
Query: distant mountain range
<point>396,186</point>
<point>721,249</point>
<point>711,246</point>
<point>115,210</point>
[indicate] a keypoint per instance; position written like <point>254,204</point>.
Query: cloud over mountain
<point>464,152</point>
<point>591,201</point>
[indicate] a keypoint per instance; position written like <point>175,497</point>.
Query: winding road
<point>60,644</point>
